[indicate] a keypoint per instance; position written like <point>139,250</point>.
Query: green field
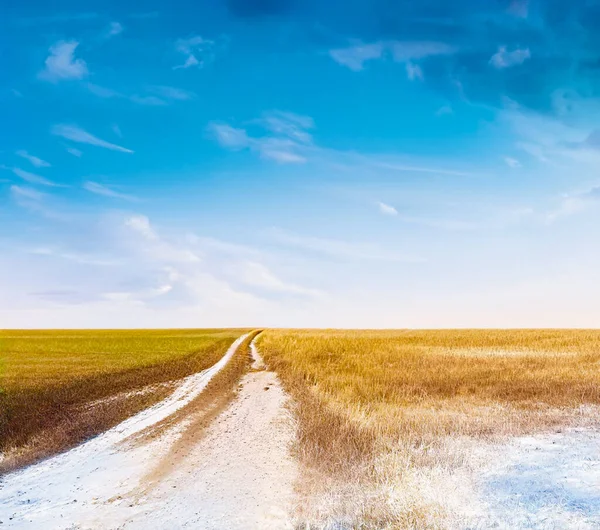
<point>54,385</point>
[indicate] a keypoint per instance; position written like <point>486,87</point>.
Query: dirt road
<point>238,476</point>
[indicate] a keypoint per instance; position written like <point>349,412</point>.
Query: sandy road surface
<point>238,476</point>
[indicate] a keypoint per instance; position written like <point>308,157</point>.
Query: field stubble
<point>390,423</point>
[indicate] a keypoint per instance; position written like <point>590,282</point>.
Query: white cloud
<point>386,209</point>
<point>512,162</point>
<point>288,124</point>
<point>285,138</point>
<point>574,203</point>
<point>228,136</point>
<point>405,51</point>
<point>104,92</point>
<point>444,110</point>
<point>505,59</point>
<point>413,71</point>
<point>339,249</point>
<point>100,189</point>
<point>158,95</point>
<point>23,193</point>
<point>171,93</point>
<point>62,64</point>
<point>115,28</point>
<point>34,160</point>
<point>32,178</point>
<point>75,152</point>
<point>117,130</point>
<point>422,169</point>
<point>280,150</point>
<point>141,225</point>
<point>256,274</point>
<point>354,57</point>
<point>77,134</point>
<point>148,100</point>
<point>197,50</point>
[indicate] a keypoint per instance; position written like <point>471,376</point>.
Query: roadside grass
<point>388,419</point>
<point>58,388</point>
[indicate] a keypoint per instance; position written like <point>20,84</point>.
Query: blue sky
<point>300,163</point>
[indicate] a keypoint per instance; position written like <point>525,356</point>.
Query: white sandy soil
<point>547,482</point>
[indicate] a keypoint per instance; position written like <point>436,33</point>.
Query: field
<point>58,388</point>
<point>386,418</point>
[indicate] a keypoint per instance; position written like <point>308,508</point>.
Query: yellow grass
<point>380,412</point>
<point>59,387</point>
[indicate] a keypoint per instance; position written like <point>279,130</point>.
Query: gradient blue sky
<point>300,163</point>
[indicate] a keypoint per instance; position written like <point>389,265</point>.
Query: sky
<point>288,163</point>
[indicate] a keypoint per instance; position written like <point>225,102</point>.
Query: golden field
<point>58,388</point>
<point>382,415</point>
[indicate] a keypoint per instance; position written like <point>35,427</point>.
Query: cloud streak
<point>386,209</point>
<point>79,135</point>
<point>355,56</point>
<point>34,160</point>
<point>100,189</point>
<point>32,178</point>
<point>285,137</point>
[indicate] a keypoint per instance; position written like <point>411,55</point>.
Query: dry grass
<point>386,418</point>
<point>58,388</point>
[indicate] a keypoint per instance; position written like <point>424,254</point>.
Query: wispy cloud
<point>156,96</point>
<point>196,50</point>
<point>61,64</point>
<point>29,194</point>
<point>356,55</point>
<point>77,257</point>
<point>444,110</point>
<point>414,71</point>
<point>114,29</point>
<point>386,209</point>
<point>32,178</point>
<point>339,249</point>
<point>152,101</point>
<point>117,130</point>
<point>104,92</point>
<point>512,162</point>
<point>574,203</point>
<point>422,169</point>
<point>75,152</point>
<point>171,93</point>
<point>32,200</point>
<point>505,59</point>
<point>228,136</point>
<point>77,134</point>
<point>100,189</point>
<point>34,160</point>
<point>285,137</point>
